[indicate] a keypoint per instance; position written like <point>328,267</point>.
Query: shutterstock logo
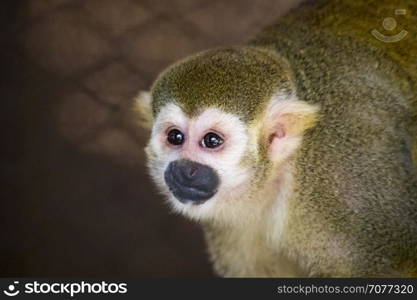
<point>61,288</point>
<point>12,290</point>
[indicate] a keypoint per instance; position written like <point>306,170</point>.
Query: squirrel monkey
<point>295,152</point>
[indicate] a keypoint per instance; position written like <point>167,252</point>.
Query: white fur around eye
<point>159,154</point>
<point>169,114</point>
<point>227,160</point>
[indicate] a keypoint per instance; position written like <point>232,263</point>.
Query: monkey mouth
<point>186,193</point>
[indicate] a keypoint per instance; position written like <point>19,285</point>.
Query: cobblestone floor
<point>79,202</point>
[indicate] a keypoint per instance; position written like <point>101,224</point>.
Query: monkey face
<point>196,161</point>
<point>223,123</point>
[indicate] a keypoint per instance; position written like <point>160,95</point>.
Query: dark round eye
<point>212,140</point>
<point>175,137</point>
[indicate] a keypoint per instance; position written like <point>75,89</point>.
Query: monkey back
<point>354,212</point>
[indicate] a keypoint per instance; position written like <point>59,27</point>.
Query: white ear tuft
<point>143,106</point>
<point>285,122</point>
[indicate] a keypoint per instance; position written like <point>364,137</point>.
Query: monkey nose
<point>190,181</point>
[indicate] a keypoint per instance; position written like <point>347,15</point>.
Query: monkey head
<point>224,122</point>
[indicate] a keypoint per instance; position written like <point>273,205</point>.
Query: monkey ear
<point>143,107</point>
<point>285,122</point>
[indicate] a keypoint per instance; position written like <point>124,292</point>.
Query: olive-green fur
<point>239,80</point>
<point>354,210</point>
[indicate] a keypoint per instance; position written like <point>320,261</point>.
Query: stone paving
<point>86,206</point>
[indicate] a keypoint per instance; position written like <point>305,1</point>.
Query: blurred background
<point>75,196</point>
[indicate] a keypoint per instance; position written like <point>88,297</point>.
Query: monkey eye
<point>211,140</point>
<point>175,137</point>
